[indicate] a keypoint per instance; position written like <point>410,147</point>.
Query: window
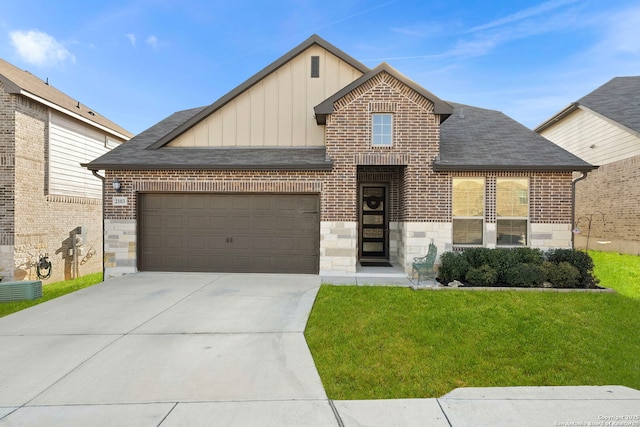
<point>512,211</point>
<point>382,129</point>
<point>468,211</point>
<point>315,66</point>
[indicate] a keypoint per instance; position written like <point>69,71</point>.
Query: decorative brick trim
<point>229,186</point>
<point>6,239</point>
<point>383,107</point>
<point>55,198</point>
<point>382,159</point>
<point>391,82</point>
<point>7,160</point>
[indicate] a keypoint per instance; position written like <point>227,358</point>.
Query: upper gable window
<point>382,129</point>
<point>315,66</point>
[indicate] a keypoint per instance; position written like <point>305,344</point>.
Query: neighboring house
<point>50,206</point>
<point>603,128</point>
<point>318,162</point>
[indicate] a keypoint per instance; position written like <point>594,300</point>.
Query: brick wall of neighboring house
<point>7,182</point>
<point>614,190</point>
<point>43,222</point>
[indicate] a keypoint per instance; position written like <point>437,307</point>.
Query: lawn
<point>51,291</point>
<point>386,342</point>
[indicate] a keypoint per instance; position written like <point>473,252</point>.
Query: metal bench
<point>423,266</point>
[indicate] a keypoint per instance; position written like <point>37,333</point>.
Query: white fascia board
<point>72,114</point>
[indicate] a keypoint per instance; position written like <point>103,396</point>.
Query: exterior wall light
<point>117,186</point>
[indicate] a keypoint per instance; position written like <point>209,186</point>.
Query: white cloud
<point>132,38</point>
<point>152,41</point>
<point>622,32</point>
<point>40,48</point>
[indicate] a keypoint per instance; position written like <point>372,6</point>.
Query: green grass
<point>385,342</point>
<point>51,291</point>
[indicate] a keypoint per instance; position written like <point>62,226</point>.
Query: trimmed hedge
<point>518,267</point>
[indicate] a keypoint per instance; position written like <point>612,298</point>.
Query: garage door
<point>262,233</point>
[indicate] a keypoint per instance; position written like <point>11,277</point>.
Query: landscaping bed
<point>518,268</point>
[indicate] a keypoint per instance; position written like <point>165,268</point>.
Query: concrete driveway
<point>175,349</point>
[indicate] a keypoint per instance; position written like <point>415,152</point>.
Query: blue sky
<point>136,62</point>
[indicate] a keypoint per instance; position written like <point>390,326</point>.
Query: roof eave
<point>557,117</point>
<point>440,107</point>
<point>451,167</point>
<point>208,167</point>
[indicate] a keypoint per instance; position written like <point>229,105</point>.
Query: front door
<point>373,222</point>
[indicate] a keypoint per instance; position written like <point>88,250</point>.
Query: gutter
<point>557,117</point>
<point>101,178</point>
<point>573,205</point>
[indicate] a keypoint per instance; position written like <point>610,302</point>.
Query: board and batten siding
<point>278,110</point>
<point>593,138</point>
<point>70,144</point>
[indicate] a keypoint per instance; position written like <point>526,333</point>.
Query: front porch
<point>382,232</point>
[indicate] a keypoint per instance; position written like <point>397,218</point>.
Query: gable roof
<point>138,153</point>
<point>477,139</point>
<point>326,107</point>
<point>618,100</point>
<point>207,111</point>
<point>469,138</point>
<point>17,81</point>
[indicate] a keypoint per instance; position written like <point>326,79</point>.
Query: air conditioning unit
<point>17,291</point>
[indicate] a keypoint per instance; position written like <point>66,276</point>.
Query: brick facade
<point>613,190</point>
<point>419,200</point>
<point>32,222</point>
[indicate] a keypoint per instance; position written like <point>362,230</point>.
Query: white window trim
<point>392,134</point>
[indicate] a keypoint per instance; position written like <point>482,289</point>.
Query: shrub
<point>523,267</point>
<point>525,275</point>
<point>501,260</point>
<point>529,255</point>
<point>482,276</point>
<point>562,275</point>
<point>454,267</point>
<point>579,259</point>
<point>477,257</point>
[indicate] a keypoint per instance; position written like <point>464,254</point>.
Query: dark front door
<point>373,222</point>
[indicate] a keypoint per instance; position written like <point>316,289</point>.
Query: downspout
<point>573,206</point>
<point>102,178</point>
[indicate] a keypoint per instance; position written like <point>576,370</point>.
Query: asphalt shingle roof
<point>138,153</point>
<point>475,138</point>
<point>618,100</point>
<point>19,81</point>
<point>471,138</point>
